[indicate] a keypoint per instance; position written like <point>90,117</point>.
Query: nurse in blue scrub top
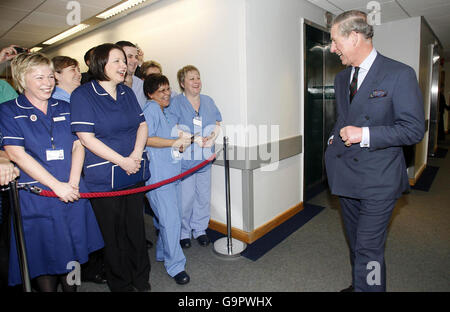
<point>164,144</point>
<point>111,125</point>
<point>198,115</point>
<point>36,135</point>
<point>67,76</point>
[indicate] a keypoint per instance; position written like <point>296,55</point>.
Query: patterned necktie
<point>354,84</point>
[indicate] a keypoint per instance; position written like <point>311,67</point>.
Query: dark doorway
<point>321,67</point>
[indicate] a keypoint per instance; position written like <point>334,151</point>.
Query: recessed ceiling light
<point>120,8</point>
<point>35,49</point>
<point>66,34</point>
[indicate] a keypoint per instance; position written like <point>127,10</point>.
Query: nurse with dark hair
<point>111,125</point>
<point>164,144</point>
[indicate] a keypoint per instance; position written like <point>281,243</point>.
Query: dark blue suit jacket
<point>390,103</point>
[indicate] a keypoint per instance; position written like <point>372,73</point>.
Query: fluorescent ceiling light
<point>67,33</point>
<point>35,49</point>
<point>119,8</point>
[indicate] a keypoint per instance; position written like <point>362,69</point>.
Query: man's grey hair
<point>353,20</point>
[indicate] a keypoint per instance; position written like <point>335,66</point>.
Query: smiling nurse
<point>110,123</point>
<point>37,137</point>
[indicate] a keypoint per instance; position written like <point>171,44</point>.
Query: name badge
<point>55,154</point>
<point>60,118</point>
<point>197,121</point>
<point>175,154</point>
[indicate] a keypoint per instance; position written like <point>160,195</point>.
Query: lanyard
<point>50,131</point>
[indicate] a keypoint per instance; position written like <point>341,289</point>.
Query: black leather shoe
<point>348,289</point>
<point>144,288</point>
<point>182,278</point>
<point>203,240</point>
<point>98,278</point>
<point>185,243</point>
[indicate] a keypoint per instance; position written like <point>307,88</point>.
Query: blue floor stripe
<point>426,179</point>
<point>264,244</point>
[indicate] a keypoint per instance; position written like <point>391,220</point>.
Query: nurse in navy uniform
<point>36,135</point>
<point>107,118</point>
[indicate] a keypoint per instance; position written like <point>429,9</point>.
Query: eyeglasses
<point>164,90</point>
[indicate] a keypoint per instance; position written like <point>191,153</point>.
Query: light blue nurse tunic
<point>165,200</point>
<point>61,94</point>
<point>195,188</point>
<point>56,233</point>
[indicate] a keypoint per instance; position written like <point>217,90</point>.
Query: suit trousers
<point>366,222</point>
<point>121,222</point>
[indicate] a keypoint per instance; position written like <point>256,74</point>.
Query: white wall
<point>400,41</point>
<point>408,41</point>
<point>218,206</point>
<point>276,191</point>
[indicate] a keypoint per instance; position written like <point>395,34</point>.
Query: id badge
<point>60,118</point>
<point>197,121</point>
<point>176,154</point>
<point>55,154</point>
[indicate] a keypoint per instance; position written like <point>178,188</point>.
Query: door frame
<point>303,94</point>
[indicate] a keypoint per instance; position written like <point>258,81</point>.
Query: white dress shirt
<point>362,73</point>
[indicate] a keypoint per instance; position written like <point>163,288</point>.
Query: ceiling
<point>27,23</point>
<point>435,12</point>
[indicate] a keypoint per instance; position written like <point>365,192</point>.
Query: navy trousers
<point>366,222</point>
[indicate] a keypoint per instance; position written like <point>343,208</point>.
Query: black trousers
<point>121,222</point>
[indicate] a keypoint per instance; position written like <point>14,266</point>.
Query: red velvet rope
<point>47,193</point>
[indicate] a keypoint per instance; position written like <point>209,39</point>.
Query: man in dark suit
<point>379,109</point>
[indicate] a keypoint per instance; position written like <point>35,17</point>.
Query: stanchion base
<point>236,248</point>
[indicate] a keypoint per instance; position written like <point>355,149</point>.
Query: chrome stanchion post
<point>18,233</point>
<point>228,246</point>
